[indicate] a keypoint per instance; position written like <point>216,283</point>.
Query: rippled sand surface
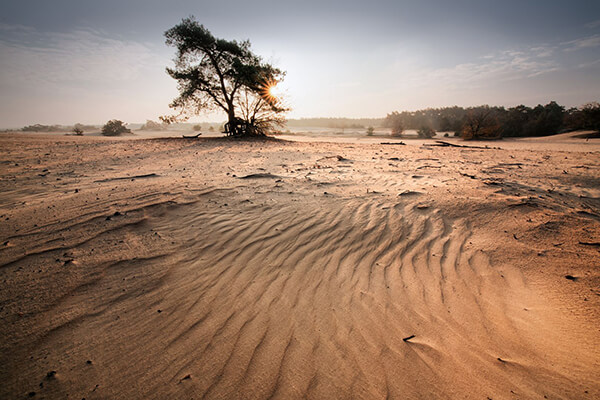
<point>222,269</point>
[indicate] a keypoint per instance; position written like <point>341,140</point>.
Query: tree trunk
<point>232,122</point>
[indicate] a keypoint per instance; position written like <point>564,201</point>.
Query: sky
<point>67,61</point>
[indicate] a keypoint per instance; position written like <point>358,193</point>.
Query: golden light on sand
<point>387,285</point>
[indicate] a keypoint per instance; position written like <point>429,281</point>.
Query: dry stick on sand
<point>441,143</point>
<point>590,243</point>
<point>191,136</point>
<point>261,175</point>
<point>467,175</point>
<point>339,158</point>
<point>121,178</point>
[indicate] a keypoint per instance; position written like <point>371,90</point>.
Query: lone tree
<point>78,129</point>
<point>217,74</point>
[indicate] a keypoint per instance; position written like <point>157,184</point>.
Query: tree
<point>258,114</point>
<point>590,113</point>
<point>217,74</point>
<point>77,130</point>
<point>114,127</point>
<point>544,120</point>
<point>515,120</point>
<point>370,131</point>
<point>395,122</point>
<point>481,123</point>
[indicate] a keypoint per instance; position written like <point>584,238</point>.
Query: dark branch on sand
<point>441,143</point>
<point>122,178</point>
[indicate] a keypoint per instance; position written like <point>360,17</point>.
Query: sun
<point>269,92</point>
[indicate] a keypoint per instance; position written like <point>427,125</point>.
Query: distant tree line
<point>154,126</point>
<point>44,128</point>
<point>485,122</point>
<point>57,128</point>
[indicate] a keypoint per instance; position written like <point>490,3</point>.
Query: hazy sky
<point>66,61</point>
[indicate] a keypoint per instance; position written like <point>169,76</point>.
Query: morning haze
<point>67,60</point>
<point>299,200</point>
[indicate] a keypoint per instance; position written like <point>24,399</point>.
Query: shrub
<point>370,131</point>
<point>426,132</point>
<point>114,127</point>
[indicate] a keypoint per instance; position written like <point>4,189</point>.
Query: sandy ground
<point>221,269</point>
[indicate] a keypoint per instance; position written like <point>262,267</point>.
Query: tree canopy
<point>220,75</point>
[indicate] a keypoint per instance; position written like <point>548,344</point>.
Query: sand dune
<point>151,270</point>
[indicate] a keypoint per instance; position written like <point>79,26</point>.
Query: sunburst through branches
<point>269,93</point>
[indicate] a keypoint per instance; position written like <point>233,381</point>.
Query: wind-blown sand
<point>215,268</point>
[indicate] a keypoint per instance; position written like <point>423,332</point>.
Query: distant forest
<point>57,128</point>
<point>482,122</point>
<point>485,122</point>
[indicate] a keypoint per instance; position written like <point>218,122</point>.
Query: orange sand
<point>302,280</point>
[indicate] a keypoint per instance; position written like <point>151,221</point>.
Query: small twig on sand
<point>191,136</point>
<point>588,214</point>
<point>441,143</point>
<point>260,176</point>
<point>409,193</point>
<point>590,243</point>
<point>468,176</point>
<point>339,158</point>
<point>121,178</point>
<point>525,202</point>
<point>516,164</point>
<point>394,143</point>
<point>406,339</point>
